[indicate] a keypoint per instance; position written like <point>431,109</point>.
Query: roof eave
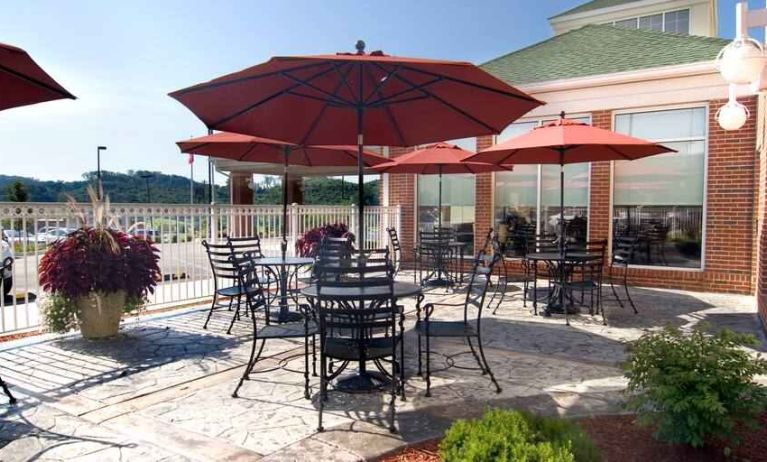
<point>639,75</point>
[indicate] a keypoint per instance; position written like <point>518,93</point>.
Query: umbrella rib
<point>475,85</point>
<point>451,106</point>
<point>61,91</point>
<point>618,152</point>
<point>248,151</point>
<point>399,101</point>
<point>393,121</point>
<point>509,156</point>
<point>211,85</point>
<point>381,83</point>
<point>317,119</point>
<point>263,101</point>
<point>317,89</point>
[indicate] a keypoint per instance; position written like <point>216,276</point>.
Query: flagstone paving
<point>162,390</point>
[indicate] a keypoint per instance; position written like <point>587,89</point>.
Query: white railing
<point>178,231</point>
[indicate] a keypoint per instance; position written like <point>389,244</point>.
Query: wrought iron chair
<point>255,303</point>
<point>252,245</point>
<point>624,249</point>
<point>358,323</point>
<point>226,273</point>
<point>397,252</point>
<point>586,276</point>
<point>433,254</point>
<point>539,243</point>
<point>469,327</point>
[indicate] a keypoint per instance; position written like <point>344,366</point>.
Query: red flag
<point>191,159</point>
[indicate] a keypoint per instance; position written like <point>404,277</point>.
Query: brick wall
<point>731,212</point>
<point>760,258</point>
<point>734,175</point>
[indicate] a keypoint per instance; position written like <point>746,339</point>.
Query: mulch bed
<point>619,439</point>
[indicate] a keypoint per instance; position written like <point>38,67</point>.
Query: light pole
<point>146,177</point>
<point>741,62</point>
<point>98,170</point>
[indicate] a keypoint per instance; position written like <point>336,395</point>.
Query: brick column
<point>240,194</point>
<point>402,192</point>
<point>483,194</point>
<point>599,189</point>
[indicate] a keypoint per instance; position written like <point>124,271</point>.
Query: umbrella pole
<point>562,237</point>
<point>360,185</point>
<point>284,243</point>
<point>439,201</point>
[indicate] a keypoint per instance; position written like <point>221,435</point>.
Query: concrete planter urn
<point>99,314</point>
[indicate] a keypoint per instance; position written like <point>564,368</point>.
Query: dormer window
<point>677,22</point>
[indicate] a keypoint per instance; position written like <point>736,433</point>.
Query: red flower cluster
<point>104,260</point>
<point>309,242</point>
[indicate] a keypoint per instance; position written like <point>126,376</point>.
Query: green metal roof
<point>601,49</point>
<point>592,5</point>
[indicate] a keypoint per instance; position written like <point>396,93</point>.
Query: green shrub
<point>694,386</point>
<point>516,436</point>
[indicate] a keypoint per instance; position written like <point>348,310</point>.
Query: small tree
<point>695,386</point>
<point>17,192</point>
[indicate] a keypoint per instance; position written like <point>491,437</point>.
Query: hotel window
<point>527,198</point>
<point>457,202</point>
<point>658,200</point>
<point>677,22</point>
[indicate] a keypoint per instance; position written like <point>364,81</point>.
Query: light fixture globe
<point>741,61</point>
<point>732,116</point>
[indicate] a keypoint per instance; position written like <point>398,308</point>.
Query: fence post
<point>352,223</point>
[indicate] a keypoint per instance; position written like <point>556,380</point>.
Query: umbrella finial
<point>562,115</point>
<point>360,46</point>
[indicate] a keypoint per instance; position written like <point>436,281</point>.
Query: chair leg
<point>476,356</point>
<point>487,366</point>
<point>428,365</point>
<point>393,391</point>
<point>210,312</point>
<point>254,356</point>
<point>401,364</point>
<point>11,398</point>
<point>236,313</point>
<point>420,373</point>
<point>306,364</point>
<point>615,292</point>
<point>628,295</point>
<point>314,355</point>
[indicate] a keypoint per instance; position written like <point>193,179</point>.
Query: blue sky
<point>122,58</point>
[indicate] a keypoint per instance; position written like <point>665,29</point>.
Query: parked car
<point>14,236</point>
<point>146,234</point>
<point>6,266</point>
<point>53,235</point>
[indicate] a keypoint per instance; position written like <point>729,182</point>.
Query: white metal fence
<point>178,231</point>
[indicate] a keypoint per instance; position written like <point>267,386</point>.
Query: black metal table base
<point>438,282</point>
<point>282,317</point>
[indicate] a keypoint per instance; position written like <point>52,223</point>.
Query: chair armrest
<point>429,307</point>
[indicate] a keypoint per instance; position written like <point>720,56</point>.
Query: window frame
<point>539,121</point>
<point>663,14</point>
<point>704,235</point>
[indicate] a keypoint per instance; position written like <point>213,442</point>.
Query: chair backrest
<point>335,249</point>
<point>356,301</point>
<point>221,262</point>
<point>623,249</point>
<point>543,243</point>
<point>396,248</point>
<point>247,279</point>
<point>479,281</point>
<point>242,245</point>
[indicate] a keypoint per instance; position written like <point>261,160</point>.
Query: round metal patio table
<point>365,380</point>
<point>284,267</point>
<point>555,260</point>
<point>439,276</point>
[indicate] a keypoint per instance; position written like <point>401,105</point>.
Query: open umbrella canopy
<point>23,82</point>
<point>315,100</point>
<point>435,159</point>
<point>566,141</point>
<point>246,148</point>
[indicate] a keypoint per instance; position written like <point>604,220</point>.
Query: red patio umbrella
<point>436,159</point>
<point>248,148</point>
<point>356,99</point>
<point>566,142</point>
<point>23,82</point>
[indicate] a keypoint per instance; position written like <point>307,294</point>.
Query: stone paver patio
<point>162,391</point>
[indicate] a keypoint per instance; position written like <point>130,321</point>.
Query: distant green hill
<point>174,189</point>
<point>120,187</point>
